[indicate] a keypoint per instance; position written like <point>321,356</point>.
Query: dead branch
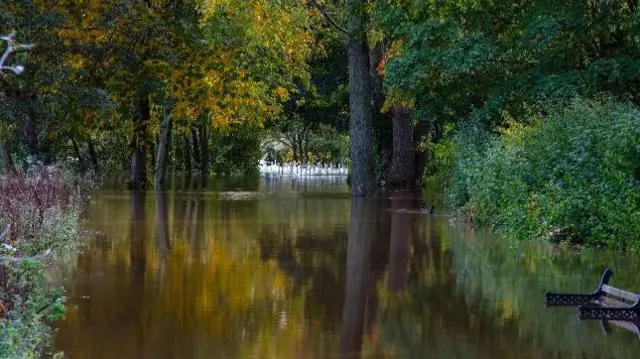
<point>11,47</point>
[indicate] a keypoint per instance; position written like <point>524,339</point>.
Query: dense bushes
<point>42,211</point>
<point>572,175</point>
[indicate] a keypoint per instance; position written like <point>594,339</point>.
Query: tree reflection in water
<point>190,274</point>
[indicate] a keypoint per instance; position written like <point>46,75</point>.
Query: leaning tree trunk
<point>360,125</point>
<point>140,142</point>
<point>163,147</point>
<point>402,168</point>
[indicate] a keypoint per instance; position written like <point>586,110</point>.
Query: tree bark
<point>140,142</point>
<point>402,168</point>
<point>163,147</point>
<point>360,123</point>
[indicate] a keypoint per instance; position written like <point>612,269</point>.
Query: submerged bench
<point>607,303</point>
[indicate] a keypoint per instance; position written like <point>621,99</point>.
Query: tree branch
<point>11,47</point>
<point>329,18</point>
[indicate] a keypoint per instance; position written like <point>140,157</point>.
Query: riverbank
<point>40,214</point>
<point>569,176</point>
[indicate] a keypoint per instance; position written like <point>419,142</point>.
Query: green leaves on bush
<point>571,175</point>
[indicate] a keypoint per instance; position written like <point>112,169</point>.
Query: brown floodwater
<point>288,268</point>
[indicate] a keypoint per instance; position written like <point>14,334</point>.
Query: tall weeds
<point>42,211</point>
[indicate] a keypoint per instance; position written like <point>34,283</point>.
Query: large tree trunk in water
<point>358,268</point>
<point>382,124</point>
<point>140,142</point>
<point>402,169</point>
<point>360,126</point>
<point>163,147</point>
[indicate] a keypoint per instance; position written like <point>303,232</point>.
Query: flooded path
<point>296,269</point>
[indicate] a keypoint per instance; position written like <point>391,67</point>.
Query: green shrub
<point>573,174</point>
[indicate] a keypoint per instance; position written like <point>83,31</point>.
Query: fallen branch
<point>42,256</point>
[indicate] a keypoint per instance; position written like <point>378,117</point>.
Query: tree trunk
<point>140,142</point>
<point>163,147</point>
<point>358,269</point>
<point>204,151</point>
<point>360,125</point>
<point>76,151</point>
<point>402,169</point>
<point>303,154</point>
<point>294,148</point>
<point>187,156</point>
<point>382,124</point>
<point>93,156</point>
<point>196,148</point>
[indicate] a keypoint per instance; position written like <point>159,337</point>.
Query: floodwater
<point>296,269</point>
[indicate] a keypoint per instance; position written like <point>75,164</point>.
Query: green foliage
<point>237,149</point>
<point>571,174</point>
<point>439,168</point>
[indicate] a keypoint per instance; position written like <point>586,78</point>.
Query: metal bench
<point>607,303</point>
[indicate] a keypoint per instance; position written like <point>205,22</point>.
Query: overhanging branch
<point>329,18</point>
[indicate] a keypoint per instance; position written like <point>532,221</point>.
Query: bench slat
<point>620,293</point>
<point>610,302</point>
<point>626,325</point>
